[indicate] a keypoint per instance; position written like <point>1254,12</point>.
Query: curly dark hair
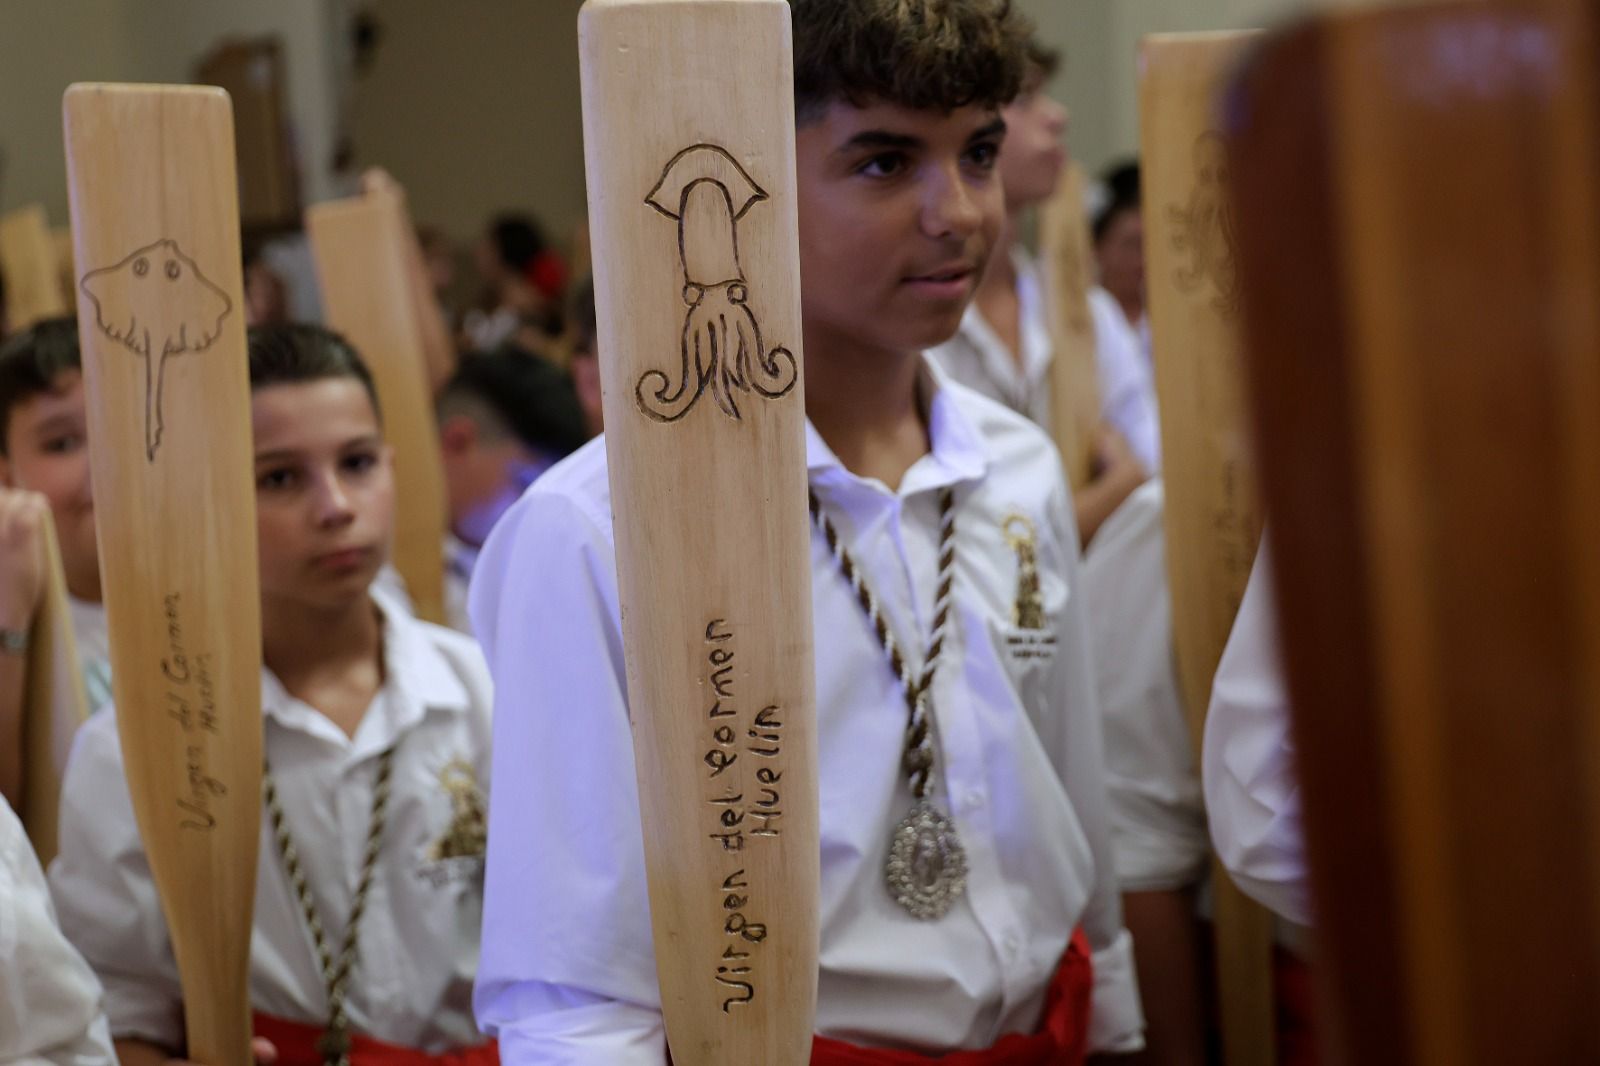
<point>921,54</point>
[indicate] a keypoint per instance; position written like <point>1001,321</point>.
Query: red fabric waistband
<point>1062,1039</point>
<point>297,1046</point>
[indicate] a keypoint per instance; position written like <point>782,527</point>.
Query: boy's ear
<point>458,434</point>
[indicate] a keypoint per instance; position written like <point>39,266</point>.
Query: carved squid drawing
<point>707,192</point>
<point>157,304</point>
<point>1204,227</point>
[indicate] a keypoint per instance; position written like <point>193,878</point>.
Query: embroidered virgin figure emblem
<point>469,820</point>
<point>1028,611</point>
<point>707,192</point>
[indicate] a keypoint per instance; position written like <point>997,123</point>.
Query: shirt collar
<point>417,678</point>
<point>958,450</point>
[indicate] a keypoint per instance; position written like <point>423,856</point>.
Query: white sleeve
<point>1128,398</point>
<point>1158,819</point>
<point>1077,749</point>
<point>49,999</point>
<point>567,976</point>
<point>106,897</point>
<point>1252,793</point>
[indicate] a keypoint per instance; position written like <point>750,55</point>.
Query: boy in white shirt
<point>375,723</point>
<point>900,208</point>
<point>49,999</point>
<point>44,468</point>
<point>1004,348</point>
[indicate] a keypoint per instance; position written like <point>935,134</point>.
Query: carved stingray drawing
<point>1205,229</point>
<point>157,304</point>
<point>707,192</point>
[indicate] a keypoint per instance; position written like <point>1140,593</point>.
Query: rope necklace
<point>335,1042</point>
<point>926,872</point>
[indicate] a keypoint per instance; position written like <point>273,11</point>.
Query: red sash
<point>297,1046</point>
<point>1062,1039</point>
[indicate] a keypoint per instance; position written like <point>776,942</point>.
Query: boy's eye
<point>65,444</point>
<point>984,155</point>
<point>883,165</point>
<point>360,462</point>
<point>275,479</point>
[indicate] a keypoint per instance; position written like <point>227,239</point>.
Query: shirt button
<point>1013,944</point>
<point>973,800</point>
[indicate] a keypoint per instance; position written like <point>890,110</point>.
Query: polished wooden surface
<point>1422,250</point>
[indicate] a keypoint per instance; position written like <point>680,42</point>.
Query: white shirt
<point>1252,790</point>
<point>1127,381</point>
<point>419,938</point>
<point>1158,817</point>
<point>93,637</point>
<point>49,998</point>
<point>568,974</point>
<point>977,357</point>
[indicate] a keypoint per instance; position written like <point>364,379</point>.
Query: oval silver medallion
<point>927,868</point>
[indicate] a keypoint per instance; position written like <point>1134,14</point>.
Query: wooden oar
<point>156,227</point>
<point>1213,518</point>
<point>689,140</point>
<point>1064,252</point>
<point>54,704</point>
<point>1422,254</point>
<point>360,246</point>
<point>438,347</point>
<point>28,261</point>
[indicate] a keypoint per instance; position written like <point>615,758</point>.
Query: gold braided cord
<point>335,1043</point>
<point>918,760</point>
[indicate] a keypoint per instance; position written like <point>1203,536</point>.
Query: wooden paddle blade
<point>689,137</point>
<point>1213,516</point>
<point>1067,261</point>
<point>360,246</point>
<point>28,262</point>
<point>439,349</point>
<point>1422,253</point>
<point>156,227</point>
<point>54,704</point>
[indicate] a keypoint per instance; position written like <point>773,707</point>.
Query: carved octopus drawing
<point>1204,227</point>
<point>157,304</point>
<point>707,192</point>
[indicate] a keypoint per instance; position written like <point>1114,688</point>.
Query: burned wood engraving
<point>1204,227</point>
<point>705,190</point>
<point>157,304</point>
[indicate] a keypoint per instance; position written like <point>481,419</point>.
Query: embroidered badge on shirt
<point>469,821</point>
<point>1033,639</point>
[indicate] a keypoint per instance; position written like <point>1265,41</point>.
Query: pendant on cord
<point>927,868</point>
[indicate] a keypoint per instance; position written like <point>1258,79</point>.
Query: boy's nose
<point>952,207</point>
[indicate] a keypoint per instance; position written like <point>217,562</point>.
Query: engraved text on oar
<point>192,705</point>
<point>738,820</point>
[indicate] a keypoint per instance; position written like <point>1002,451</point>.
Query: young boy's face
<point>324,492</point>
<point>899,212</point>
<point>1036,150</point>
<point>47,451</point>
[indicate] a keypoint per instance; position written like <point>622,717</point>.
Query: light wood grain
<point>32,274</point>
<point>709,496</point>
<point>1213,515</point>
<point>156,228</point>
<point>1423,337</point>
<point>438,347</point>
<point>54,704</point>
<point>1068,271</point>
<point>361,250</point>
